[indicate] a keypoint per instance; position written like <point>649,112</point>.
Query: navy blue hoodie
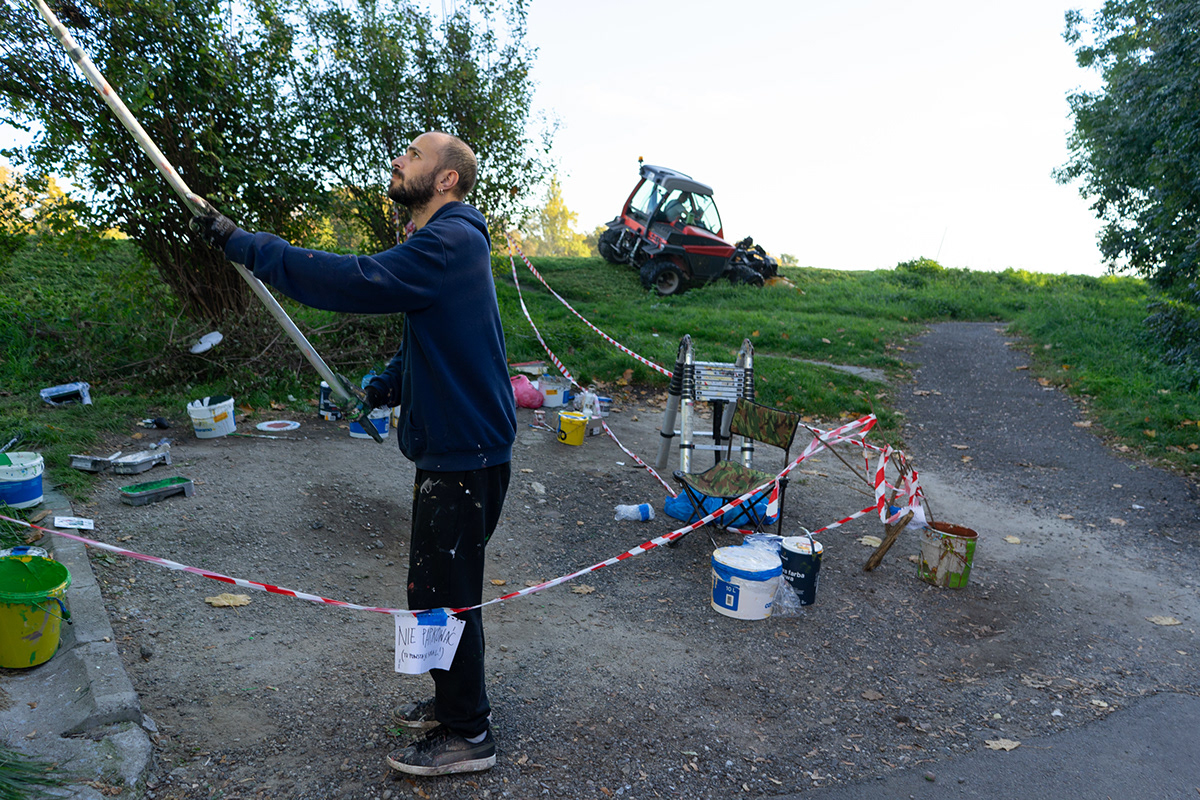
<point>450,377</point>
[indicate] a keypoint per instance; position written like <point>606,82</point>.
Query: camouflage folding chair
<point>729,479</point>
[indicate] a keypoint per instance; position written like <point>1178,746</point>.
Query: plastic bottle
<point>639,513</point>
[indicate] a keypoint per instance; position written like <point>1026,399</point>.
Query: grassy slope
<point>106,319</point>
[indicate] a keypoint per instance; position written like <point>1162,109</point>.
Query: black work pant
<point>453,516</point>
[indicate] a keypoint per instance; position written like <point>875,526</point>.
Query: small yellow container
<point>572,427</point>
<point>31,609</point>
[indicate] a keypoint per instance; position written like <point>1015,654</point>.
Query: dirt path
<point>637,688</point>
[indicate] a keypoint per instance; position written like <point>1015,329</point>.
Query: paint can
<point>212,417</point>
<point>605,405</point>
<point>554,390</point>
<point>947,552</point>
<point>572,427</point>
<point>21,479</point>
<point>744,580</point>
<point>31,609</point>
<point>325,408</point>
<point>378,417</point>
<point>801,556</point>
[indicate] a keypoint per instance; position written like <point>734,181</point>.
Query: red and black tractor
<point>671,232</point>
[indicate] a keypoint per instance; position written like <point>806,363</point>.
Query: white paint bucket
<point>379,418</point>
<point>554,390</point>
<point>744,581</point>
<point>21,479</point>
<point>212,416</point>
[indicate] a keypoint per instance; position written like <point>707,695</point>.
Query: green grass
<point>105,318</point>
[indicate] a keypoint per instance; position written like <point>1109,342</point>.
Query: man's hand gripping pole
<point>197,205</point>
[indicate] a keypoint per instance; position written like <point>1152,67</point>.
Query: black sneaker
<point>442,752</point>
<point>416,716</point>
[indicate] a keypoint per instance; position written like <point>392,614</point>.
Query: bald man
<point>457,414</point>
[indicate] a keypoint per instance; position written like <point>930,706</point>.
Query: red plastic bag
<point>525,394</point>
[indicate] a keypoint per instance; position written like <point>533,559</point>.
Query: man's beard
<point>414,193</point>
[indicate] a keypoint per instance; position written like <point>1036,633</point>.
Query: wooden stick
<point>892,532</point>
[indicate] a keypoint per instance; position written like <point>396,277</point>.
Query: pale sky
<point>853,135</point>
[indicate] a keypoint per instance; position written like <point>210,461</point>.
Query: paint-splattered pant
<point>453,516</point>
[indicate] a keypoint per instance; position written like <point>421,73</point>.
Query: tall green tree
<point>206,84</point>
<point>1135,147</point>
<point>375,74</point>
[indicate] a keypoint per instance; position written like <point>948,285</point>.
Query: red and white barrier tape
<point>819,443</point>
<point>216,576</point>
<point>512,245</point>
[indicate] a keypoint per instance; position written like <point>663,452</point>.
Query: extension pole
<point>196,204</point>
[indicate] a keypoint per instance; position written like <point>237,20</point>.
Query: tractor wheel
<point>607,245</point>
<point>664,277</point>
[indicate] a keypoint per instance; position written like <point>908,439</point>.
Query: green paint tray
<point>139,494</point>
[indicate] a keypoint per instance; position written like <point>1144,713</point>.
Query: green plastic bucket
<point>947,552</point>
<point>31,609</point>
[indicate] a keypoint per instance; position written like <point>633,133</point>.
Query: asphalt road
<point>969,391</point>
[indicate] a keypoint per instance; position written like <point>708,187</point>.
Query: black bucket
<point>801,556</point>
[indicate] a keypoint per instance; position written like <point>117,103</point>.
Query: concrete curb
<point>79,708</point>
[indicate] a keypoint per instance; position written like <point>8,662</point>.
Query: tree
<point>550,230</point>
<point>206,85</point>
<point>375,74</point>
<point>1135,146</point>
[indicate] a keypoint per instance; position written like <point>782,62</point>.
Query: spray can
<point>325,407</point>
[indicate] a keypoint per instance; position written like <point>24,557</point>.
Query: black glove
<point>372,397</point>
<point>365,401</point>
<point>213,227</point>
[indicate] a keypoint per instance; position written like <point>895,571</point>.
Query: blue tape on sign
<point>437,616</point>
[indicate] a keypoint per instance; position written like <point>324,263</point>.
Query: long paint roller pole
<point>195,203</point>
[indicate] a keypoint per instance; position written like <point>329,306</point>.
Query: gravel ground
<point>625,682</point>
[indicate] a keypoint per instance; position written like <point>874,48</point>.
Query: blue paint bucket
<point>21,479</point>
<point>744,580</point>
<point>378,418</point>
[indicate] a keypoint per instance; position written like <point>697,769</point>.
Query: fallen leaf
<point>1066,516</point>
<point>1159,620</point>
<point>1026,366</point>
<point>523,759</point>
<point>1116,520</point>
<point>582,588</point>
<point>533,583</point>
<point>1043,381</point>
<point>915,559</point>
<point>1002,744</point>
<point>921,393</point>
<point>1087,423</point>
<point>960,447</point>
<point>498,582</point>
<point>40,516</point>
<point>1012,539</point>
<point>871,694</point>
<point>1100,703</point>
<point>278,406</point>
<point>226,600</point>
<point>33,703</point>
<point>526,470</point>
<point>1150,433</point>
<point>966,459</point>
<point>826,341</point>
<point>870,541</point>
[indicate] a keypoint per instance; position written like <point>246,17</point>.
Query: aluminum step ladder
<point>695,381</point>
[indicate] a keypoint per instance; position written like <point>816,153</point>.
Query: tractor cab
<point>670,230</point>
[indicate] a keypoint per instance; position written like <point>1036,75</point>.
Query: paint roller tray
<point>139,494</point>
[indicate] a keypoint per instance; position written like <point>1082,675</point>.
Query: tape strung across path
<point>821,440</point>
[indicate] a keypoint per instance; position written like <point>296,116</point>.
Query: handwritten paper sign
<point>426,641</point>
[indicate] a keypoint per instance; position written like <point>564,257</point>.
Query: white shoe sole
<point>475,765</point>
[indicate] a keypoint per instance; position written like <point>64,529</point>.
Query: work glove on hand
<point>213,227</point>
<point>365,401</point>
